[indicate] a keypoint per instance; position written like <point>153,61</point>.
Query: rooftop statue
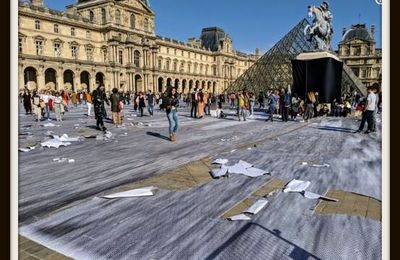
<point>321,30</point>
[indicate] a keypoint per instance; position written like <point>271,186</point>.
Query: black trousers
<point>141,111</point>
<point>99,121</point>
<point>367,116</point>
<point>285,113</point>
<point>193,110</point>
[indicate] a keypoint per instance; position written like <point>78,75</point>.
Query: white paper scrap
<point>297,186</point>
<point>71,161</point>
<point>27,149</point>
<point>54,143</point>
<point>142,192</point>
<point>325,165</point>
<point>239,217</point>
<point>237,169</point>
<point>257,206</point>
<point>245,164</point>
<point>254,172</point>
<point>314,196</point>
<point>216,173</point>
<point>221,161</point>
<point>304,163</point>
<point>49,125</point>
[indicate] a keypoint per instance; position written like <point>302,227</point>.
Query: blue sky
<point>253,23</point>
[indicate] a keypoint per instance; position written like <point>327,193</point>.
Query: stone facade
<point>357,49</point>
<point>113,41</point>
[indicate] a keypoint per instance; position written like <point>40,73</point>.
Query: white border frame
<point>385,129</point>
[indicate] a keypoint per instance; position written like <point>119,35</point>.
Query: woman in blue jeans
<point>172,113</point>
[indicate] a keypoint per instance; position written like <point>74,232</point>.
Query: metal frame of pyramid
<point>274,70</point>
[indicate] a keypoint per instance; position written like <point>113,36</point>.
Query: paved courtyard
<point>62,214</point>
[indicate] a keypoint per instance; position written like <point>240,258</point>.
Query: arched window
<point>146,25</point>
<point>103,16</point>
<point>136,58</point>
<point>133,21</point>
<point>118,17</point>
<point>91,16</point>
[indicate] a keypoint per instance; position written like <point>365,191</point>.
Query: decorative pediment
<point>137,4</point>
<point>89,46</point>
<point>21,35</point>
<point>58,40</point>
<point>39,38</point>
<point>74,43</point>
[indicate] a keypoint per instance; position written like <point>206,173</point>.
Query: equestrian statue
<point>321,30</point>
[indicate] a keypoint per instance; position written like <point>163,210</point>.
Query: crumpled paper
<point>142,192</point>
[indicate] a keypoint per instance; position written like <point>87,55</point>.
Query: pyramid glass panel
<point>274,70</point>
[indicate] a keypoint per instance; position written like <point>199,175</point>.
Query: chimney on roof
<point>344,31</point>
<point>257,52</point>
<point>373,31</point>
<point>37,2</point>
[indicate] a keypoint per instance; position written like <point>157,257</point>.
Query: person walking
<point>45,97</point>
<point>251,104</point>
<point>26,97</point>
<point>89,102</point>
<point>99,97</point>
<point>74,99</point>
<point>261,100</point>
<point>194,101</point>
<point>368,113</point>
<point>272,106</point>
<point>150,102</point>
<point>135,101</point>
<point>58,106</point>
<point>171,108</point>
<point>116,109</point>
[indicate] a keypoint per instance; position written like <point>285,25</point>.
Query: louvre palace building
<point>113,42</point>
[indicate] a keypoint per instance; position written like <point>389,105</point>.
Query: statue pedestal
<point>318,72</point>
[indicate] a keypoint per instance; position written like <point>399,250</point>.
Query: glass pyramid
<point>274,70</point>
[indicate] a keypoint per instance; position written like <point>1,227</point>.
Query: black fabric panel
<point>319,75</point>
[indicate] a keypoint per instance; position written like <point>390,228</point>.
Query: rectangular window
<point>104,55</point>
<point>20,45</point>
<point>39,47</point>
<point>120,57</point>
<point>56,30</point>
<point>167,50</point>
<point>159,64</point>
<point>89,54</point>
<point>37,25</point>
<point>57,49</point>
<point>175,51</point>
<point>74,52</point>
<point>215,71</point>
<point>72,31</point>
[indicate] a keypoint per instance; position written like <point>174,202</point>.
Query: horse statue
<point>321,30</point>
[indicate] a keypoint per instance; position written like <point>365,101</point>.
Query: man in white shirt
<point>45,97</point>
<point>368,112</point>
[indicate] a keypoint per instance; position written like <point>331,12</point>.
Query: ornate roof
<point>358,32</point>
<point>211,37</point>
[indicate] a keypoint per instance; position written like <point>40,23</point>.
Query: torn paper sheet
<point>54,143</point>
<point>237,169</point>
<point>142,192</point>
<point>257,206</point>
<point>297,186</point>
<point>254,172</point>
<point>325,165</point>
<point>50,125</point>
<point>221,161</point>
<point>245,164</point>
<point>27,149</point>
<point>216,173</point>
<point>239,217</point>
<point>314,196</point>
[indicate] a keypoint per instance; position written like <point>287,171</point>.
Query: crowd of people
<point>274,103</point>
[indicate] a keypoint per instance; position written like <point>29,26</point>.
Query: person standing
<point>150,102</point>
<point>368,113</point>
<point>135,101</point>
<point>115,99</point>
<point>99,97</point>
<point>65,100</point>
<point>201,103</point>
<point>26,97</point>
<point>141,102</point>
<point>89,102</point>
<point>310,100</point>
<point>45,97</point>
<point>194,100</point>
<point>36,106</point>
<point>251,104</point>
<point>243,104</point>
<point>58,106</point>
<point>271,106</point>
<point>261,100</point>
<point>171,108</point>
<point>74,99</point>
<point>285,105</point>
